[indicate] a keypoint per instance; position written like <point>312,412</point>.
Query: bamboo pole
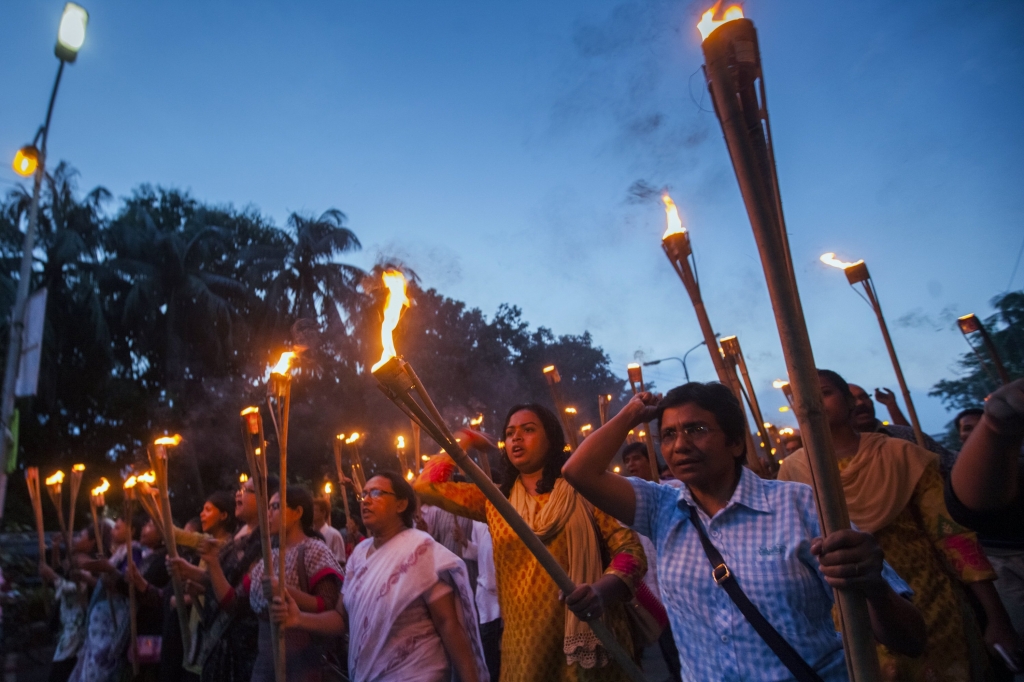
<point>636,381</point>
<point>55,489</point>
<point>32,483</point>
<point>341,474</point>
<point>158,460</point>
<point>133,621</point>
<point>732,66</point>
<point>398,381</point>
<point>98,500</point>
<point>969,324</point>
<point>554,380</point>
<point>279,400</point>
<point>256,456</point>
<point>732,350</point>
<point>77,471</point>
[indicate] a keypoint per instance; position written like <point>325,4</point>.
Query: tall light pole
<point>682,360</point>
<point>31,160</point>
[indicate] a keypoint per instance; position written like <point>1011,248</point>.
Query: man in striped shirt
<point>766,531</point>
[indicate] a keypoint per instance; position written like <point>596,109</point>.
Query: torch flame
<point>130,483</point>
<point>673,225</point>
<point>830,259</point>
<point>250,410</point>
<point>284,364</point>
<point>103,487</point>
<point>328,488</point>
<point>570,410</point>
<point>56,479</point>
<point>78,467</point>
<point>401,442</point>
<point>168,440</point>
<point>148,477</point>
<point>352,439</point>
<point>477,420</point>
<point>708,23</point>
<point>779,383</point>
<point>410,475</point>
<point>396,301</point>
<point>341,437</point>
<point>243,477</point>
<point>586,427</point>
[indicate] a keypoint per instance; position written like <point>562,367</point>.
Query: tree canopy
<point>165,313</point>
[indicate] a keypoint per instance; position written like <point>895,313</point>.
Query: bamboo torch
<point>603,403</point>
<point>733,72</point>
<point>77,471</point>
<point>358,474</point>
<point>857,273</point>
<point>97,500</point>
<point>786,389</point>
<point>403,463</point>
<point>734,356</point>
<point>399,383</point>
<point>255,455</point>
<point>32,483</point>
<point>635,373</point>
<point>970,324</point>
<point>158,460</point>
<point>338,442</point>
<point>554,380</point>
<point>129,497</point>
<point>482,459</point>
<point>279,400</point>
<point>417,465</point>
<point>54,487</point>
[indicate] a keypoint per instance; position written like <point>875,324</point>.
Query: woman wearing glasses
<point>544,640</point>
<point>407,602</point>
<point>313,579</point>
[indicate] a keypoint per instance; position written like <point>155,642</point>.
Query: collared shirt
<point>481,550</point>
<point>764,534</point>
<point>334,541</point>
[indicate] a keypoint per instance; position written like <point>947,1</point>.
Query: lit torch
<point>133,623</point>
<point>970,324</point>
<point>256,456</point>
<point>734,356</point>
<point>54,486</point>
<point>554,380</point>
<point>733,71</point>
<point>158,461</point>
<point>786,389</point>
<point>98,500</point>
<point>34,493</point>
<point>358,473</point>
<point>857,273</point>
<point>337,442</point>
<point>603,403</point>
<point>77,471</point>
<point>403,464</point>
<point>635,374</point>
<point>399,382</point>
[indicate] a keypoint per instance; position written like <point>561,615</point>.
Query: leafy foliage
<point>165,313</point>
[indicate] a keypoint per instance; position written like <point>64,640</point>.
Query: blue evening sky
<point>492,146</point>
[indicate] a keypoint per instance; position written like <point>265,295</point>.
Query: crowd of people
<point>722,573</point>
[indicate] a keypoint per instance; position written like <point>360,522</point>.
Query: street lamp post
<point>31,160</point>
<point>681,361</point>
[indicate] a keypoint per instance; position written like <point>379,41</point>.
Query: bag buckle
<point>720,573</point>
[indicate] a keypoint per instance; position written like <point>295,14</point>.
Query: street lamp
<point>681,361</point>
<point>31,160</point>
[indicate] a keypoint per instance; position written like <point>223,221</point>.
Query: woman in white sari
<point>406,602</point>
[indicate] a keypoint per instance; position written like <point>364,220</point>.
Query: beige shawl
<point>878,481</point>
<point>567,510</point>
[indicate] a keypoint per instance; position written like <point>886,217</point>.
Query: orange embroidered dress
<point>894,491</point>
<point>532,646</point>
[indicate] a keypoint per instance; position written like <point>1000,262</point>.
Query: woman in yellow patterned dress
<point>543,639</point>
<point>894,491</point>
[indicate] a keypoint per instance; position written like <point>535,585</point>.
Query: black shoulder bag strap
<point>727,581</point>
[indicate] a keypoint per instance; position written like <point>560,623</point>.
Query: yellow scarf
<point>566,510</point>
<point>878,481</point>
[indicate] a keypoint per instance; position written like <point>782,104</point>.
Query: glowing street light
<point>71,34</point>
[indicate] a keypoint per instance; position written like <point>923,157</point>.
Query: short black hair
<point>838,382</point>
<point>403,491</point>
<point>273,485</point>
<point>716,399</point>
<point>556,455</point>
<point>225,502</point>
<point>638,447</point>
<point>969,412</point>
<point>298,496</point>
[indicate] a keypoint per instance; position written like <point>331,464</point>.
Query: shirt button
<point>715,533</point>
<point>724,638</point>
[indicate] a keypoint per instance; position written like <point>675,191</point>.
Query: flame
<point>786,431</point>
<point>501,445</point>
<point>570,410</point>
<point>767,425</point>
<point>586,427</point>
<point>103,487</point>
<point>642,434</point>
<point>168,440</point>
<point>708,23</point>
<point>784,408</point>
<point>830,259</point>
<point>148,477</point>
<point>617,469</point>
<point>396,301</point>
<point>477,420</point>
<point>400,442</point>
<point>633,365</point>
<point>243,477</point>
<point>284,364</point>
<point>56,479</point>
<point>410,475</point>
<point>327,488</point>
<point>549,369</point>
<point>425,458</point>
<point>780,383</point>
<point>257,451</point>
<point>341,437</point>
<point>130,483</point>
<point>673,225</point>
<point>608,397</point>
<point>78,467</point>
<point>250,410</point>
<point>352,439</point>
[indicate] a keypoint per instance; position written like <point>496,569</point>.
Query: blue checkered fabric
<point>764,535</point>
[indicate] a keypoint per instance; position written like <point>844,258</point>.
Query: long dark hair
<point>554,459</point>
<point>300,497</point>
<point>224,502</point>
<point>403,491</point>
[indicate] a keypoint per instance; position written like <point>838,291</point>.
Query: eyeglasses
<point>373,493</point>
<point>691,431</point>
<point>275,506</point>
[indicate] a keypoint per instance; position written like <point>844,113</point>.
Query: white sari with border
<point>379,588</point>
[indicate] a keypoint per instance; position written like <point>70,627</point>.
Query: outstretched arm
<point>587,468</point>
<point>985,475</point>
